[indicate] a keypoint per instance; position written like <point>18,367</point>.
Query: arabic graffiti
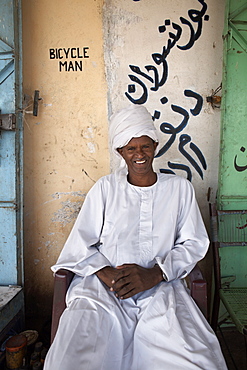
<point>155,76</point>
<point>184,139</point>
<point>237,167</point>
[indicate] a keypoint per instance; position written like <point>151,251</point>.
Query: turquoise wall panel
<point>8,252</point>
<point>232,189</point>
<point>11,205</point>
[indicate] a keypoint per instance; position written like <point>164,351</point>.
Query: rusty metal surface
<point>7,122</point>
<point>11,303</point>
<point>7,293</point>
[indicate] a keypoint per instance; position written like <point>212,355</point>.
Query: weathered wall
<point>66,145</point>
<point>167,55</point>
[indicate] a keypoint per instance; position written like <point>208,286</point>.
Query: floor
<point>233,348</point>
<point>231,341</point>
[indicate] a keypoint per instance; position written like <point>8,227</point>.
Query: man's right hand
<point>107,275</point>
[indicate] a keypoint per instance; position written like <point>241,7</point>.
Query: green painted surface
<point>232,184</point>
<point>232,227</point>
<point>233,264</point>
<point>232,187</point>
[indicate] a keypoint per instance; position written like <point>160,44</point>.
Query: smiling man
<point>138,155</point>
<point>138,234</point>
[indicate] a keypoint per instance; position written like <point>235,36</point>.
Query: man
<point>137,236</point>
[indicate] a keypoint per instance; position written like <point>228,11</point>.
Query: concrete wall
<point>180,42</point>
<point>78,55</point>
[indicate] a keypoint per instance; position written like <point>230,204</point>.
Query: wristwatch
<point>164,276</point>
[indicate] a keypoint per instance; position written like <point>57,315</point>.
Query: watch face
<point>164,277</point>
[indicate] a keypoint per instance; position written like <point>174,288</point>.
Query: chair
<point>229,241</point>
<point>62,280</point>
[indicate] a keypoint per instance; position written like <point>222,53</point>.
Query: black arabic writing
<point>155,76</point>
<point>237,167</point>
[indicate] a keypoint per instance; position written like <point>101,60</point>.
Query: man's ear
<point>155,144</point>
<point>120,151</point>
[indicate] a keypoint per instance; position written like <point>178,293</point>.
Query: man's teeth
<point>140,162</point>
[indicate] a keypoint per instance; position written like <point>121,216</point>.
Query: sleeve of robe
<point>191,241</point>
<point>80,253</point>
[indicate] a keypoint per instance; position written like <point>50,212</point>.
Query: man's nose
<point>139,151</point>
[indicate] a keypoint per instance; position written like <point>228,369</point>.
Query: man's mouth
<point>140,162</point>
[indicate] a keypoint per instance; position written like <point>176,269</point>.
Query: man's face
<point>139,154</point>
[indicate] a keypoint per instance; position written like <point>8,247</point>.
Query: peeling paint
<point>68,212</point>
<point>70,208</point>
<point>58,195</point>
<point>89,134</point>
<point>91,147</point>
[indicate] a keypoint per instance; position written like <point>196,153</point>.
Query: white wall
<point>132,36</point>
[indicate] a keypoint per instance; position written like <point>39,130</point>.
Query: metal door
<point>11,266</point>
<point>232,184</point>
<point>232,189</point>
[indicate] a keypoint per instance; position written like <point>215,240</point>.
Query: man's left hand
<point>133,279</point>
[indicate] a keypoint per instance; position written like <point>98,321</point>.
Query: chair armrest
<point>198,289</point>
<point>62,280</point>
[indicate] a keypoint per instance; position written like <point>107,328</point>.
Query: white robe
<point>161,328</point>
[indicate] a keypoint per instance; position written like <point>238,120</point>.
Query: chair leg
<point>215,312</point>
<point>245,340</point>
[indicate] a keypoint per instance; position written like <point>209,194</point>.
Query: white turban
<point>133,121</point>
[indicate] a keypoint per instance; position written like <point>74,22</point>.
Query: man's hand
<point>107,275</point>
<point>132,279</point>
